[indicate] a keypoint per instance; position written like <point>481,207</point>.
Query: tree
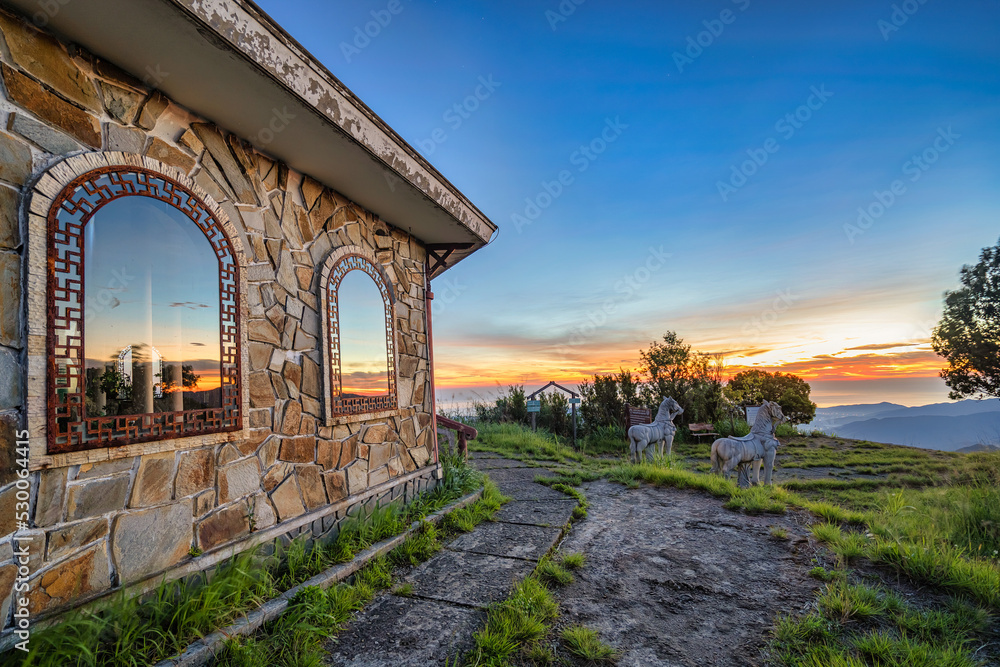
<point>692,378</point>
<point>968,335</point>
<point>604,398</point>
<point>789,391</point>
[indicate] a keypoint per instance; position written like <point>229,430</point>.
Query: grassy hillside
<point>912,575</point>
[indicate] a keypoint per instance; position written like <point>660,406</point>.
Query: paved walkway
<point>452,590</point>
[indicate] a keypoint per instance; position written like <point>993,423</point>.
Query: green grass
<point>573,561</point>
<point>514,625</point>
<point>552,573</point>
<point>585,644</point>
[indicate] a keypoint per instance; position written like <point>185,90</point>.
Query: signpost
<point>535,406</point>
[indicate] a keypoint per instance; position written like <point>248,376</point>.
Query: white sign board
<point>752,414</point>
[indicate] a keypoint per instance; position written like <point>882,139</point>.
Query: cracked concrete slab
<point>493,464</point>
<point>398,631</point>
<point>547,513</point>
<point>467,578</point>
<point>529,491</point>
<point>499,475</point>
<point>513,540</point>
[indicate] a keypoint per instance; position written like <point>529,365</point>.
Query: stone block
<point>328,453</point>
<point>311,485</point>
<point>33,97</point>
<point>154,480</point>
<point>104,468</point>
<point>264,331</point>
<point>378,476</point>
<point>348,451</point>
<point>376,433</point>
<point>8,511</point>
<point>378,455</point>
<point>239,479</point>
<point>260,418</point>
<point>262,513</point>
<point>164,152</point>
<point>291,418</point>
<point>9,426</point>
<point>252,443</point>
<point>44,57</point>
<point>120,103</point>
<point>125,139</point>
<point>195,472</point>
<point>79,576</point>
<point>292,373</point>
<point>407,433</point>
<point>151,540</point>
<point>227,454</point>
<point>51,496</point>
<point>153,108</point>
<point>336,485</point>
<point>268,452</point>
<point>96,497</point>
<point>229,523</point>
<point>286,499</point>
<point>261,391</point>
<point>10,379</point>
<point>10,233</point>
<point>260,356</point>
<point>395,467</point>
<point>8,573</point>
<point>276,475</point>
<point>10,300</point>
<point>357,477</point>
<point>204,503</point>
<point>420,456</point>
<point>298,450</point>
<point>234,174</point>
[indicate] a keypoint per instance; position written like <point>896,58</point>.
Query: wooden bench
<point>702,430</point>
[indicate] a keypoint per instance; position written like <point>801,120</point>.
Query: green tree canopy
<point>789,391</point>
<point>968,336</point>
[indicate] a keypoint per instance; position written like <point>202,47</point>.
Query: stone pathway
<point>452,590</point>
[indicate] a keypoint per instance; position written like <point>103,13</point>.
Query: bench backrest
<point>700,427</point>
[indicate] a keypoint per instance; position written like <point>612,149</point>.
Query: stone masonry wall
<point>106,518</point>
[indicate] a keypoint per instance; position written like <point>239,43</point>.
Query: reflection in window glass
<point>151,315</point>
<point>364,364</point>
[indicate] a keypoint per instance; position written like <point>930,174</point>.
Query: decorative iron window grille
<point>70,428</point>
<point>355,405</point>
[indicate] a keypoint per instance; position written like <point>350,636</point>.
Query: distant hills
<point>960,426</point>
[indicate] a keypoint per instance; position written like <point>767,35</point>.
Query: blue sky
<point>768,273</point>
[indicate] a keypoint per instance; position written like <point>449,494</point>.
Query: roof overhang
<point>229,62</point>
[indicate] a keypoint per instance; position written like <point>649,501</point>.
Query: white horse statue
<point>758,447</point>
<point>643,437</point>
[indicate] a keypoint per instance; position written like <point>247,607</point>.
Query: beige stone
<point>120,103</point>
<point>357,477</point>
<point>79,576</point>
<point>395,467</point>
<point>378,433</point>
<point>262,513</point>
<point>239,479</point>
<point>268,452</point>
<point>151,112</point>
<point>298,450</point>
<point>348,451</point>
<point>264,331</point>
<point>8,511</point>
<point>260,355</point>
<point>280,388</point>
<point>420,456</point>
<point>149,541</point>
<point>307,425</point>
<point>229,523</point>
<point>378,476</point>
<point>195,472</point>
<point>286,499</point>
<point>261,391</point>
<point>164,152</point>
<point>8,573</point>
<point>378,455</point>
<point>204,502</point>
<point>310,377</point>
<point>33,97</point>
<point>104,468</point>
<point>10,300</point>
<point>311,485</point>
<point>227,454</point>
<point>153,481</point>
<point>292,373</point>
<point>44,58</point>
<point>406,459</point>
<point>328,453</point>
<point>10,385</point>
<point>276,475</point>
<point>51,497</point>
<point>219,150</point>
<point>291,419</point>
<point>310,405</point>
<point>96,497</point>
<point>260,418</point>
<point>10,234</point>
<point>336,485</point>
<point>9,426</point>
<point>189,139</point>
<point>408,434</point>
<point>252,443</point>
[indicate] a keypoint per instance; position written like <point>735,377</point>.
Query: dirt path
<point>672,578</point>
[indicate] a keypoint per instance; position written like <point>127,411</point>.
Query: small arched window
<point>143,303</point>
<point>361,353</point>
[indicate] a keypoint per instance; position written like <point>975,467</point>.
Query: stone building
<point>215,325</point>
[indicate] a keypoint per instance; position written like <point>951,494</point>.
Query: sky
<point>791,185</point>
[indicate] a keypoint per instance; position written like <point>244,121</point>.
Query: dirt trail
<point>672,578</point>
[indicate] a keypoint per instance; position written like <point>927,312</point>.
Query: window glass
<point>363,350</point>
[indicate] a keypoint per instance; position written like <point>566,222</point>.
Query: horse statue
<point>758,447</point>
<point>643,437</point>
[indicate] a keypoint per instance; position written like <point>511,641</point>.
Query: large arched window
<point>143,304</point>
<point>361,346</point>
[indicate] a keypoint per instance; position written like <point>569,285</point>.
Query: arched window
<point>143,304</point>
<point>361,353</point>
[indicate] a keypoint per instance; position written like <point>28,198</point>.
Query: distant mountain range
<point>960,426</point>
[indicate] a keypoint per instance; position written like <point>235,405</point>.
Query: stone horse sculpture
<point>643,437</point>
<point>753,449</point>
